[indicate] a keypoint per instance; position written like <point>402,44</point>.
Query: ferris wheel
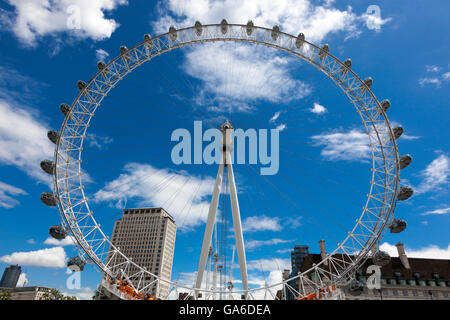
<point>335,269</point>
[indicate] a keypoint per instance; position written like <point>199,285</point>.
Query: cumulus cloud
<point>85,293</point>
<point>6,191</point>
<point>261,223</point>
<point>293,16</point>
<point>374,22</point>
<point>318,109</point>
<point>50,258</point>
<point>184,196</point>
<point>430,80</point>
<point>441,211</point>
<point>68,241</point>
<point>235,76</point>
<point>275,116</point>
<point>32,20</point>
<point>432,68</point>
<point>281,127</point>
<point>435,175</point>
<point>352,145</point>
<point>428,252</point>
<point>23,140</point>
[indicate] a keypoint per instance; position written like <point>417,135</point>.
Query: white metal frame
<point>337,266</point>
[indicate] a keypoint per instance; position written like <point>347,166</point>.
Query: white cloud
<point>184,196</point>
<point>318,109</point>
<point>275,116</point>
<point>33,19</point>
<point>275,264</point>
<point>432,68</point>
<point>446,76</point>
<point>23,141</point>
<point>293,16</point>
<point>253,244</point>
<point>23,280</point>
<point>101,55</point>
<point>352,145</point>
<point>6,191</point>
<point>281,127</point>
<point>97,141</point>
<point>432,80</point>
<point>68,241</point>
<point>31,241</point>
<point>437,212</point>
<point>51,258</point>
<point>261,223</point>
<point>435,175</point>
<point>234,76</point>
<point>429,252</point>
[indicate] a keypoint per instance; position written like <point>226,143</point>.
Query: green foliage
<point>54,294</point>
<point>5,295</point>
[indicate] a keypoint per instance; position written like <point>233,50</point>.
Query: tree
<point>5,295</point>
<point>54,294</point>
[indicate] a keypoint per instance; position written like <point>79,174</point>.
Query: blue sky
<point>406,52</point>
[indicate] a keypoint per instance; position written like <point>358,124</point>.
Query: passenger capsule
<point>347,65</point>
<point>405,193</point>
<point>65,109</point>
<point>81,85</point>
<point>300,40</point>
<point>76,264</point>
<point>47,166</point>
<point>148,41</point>
<point>405,160</point>
<point>249,28</point>
<point>398,131</point>
<point>224,26</point>
<point>57,232</point>
<point>101,66</point>
<point>275,33</point>
<point>198,28</point>
<point>123,50</point>
<point>368,84</point>
<point>385,104</point>
<point>173,33</point>
<point>49,199</point>
<point>355,288</point>
<point>381,258</point>
<point>53,136</point>
<point>323,51</point>
<point>397,226</point>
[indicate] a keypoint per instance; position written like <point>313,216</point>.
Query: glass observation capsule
<point>385,104</point>
<point>49,199</point>
<point>81,85</point>
<point>47,166</point>
<point>57,232</point>
<point>173,33</point>
<point>397,226</point>
<point>275,32</point>
<point>347,65</point>
<point>398,131</point>
<point>76,264</point>
<point>405,160</point>
<point>198,28</point>
<point>65,109</point>
<point>300,40</point>
<point>224,26</point>
<point>324,51</point>
<point>405,193</point>
<point>249,28</point>
<point>53,136</point>
<point>381,258</point>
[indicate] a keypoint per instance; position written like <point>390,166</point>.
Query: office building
<point>10,277</point>
<point>147,236</point>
